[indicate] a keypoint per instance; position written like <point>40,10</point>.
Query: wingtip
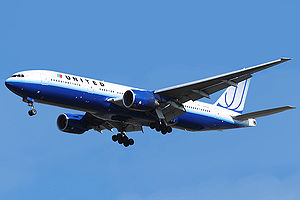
<point>291,107</point>
<point>285,59</point>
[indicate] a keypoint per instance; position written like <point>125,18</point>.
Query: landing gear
<point>161,127</point>
<point>122,138</point>
<point>152,125</point>
<point>169,129</point>
<point>32,111</point>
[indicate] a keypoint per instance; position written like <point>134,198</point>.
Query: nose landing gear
<point>30,101</point>
<point>32,111</point>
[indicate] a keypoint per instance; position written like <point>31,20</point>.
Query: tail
<point>234,97</point>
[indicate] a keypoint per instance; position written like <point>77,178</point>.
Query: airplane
<point>111,106</point>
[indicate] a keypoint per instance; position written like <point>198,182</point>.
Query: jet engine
<point>139,100</point>
<point>72,123</point>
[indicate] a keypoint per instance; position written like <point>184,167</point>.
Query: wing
<point>100,124</point>
<point>203,88</point>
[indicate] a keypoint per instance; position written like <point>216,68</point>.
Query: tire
<point>131,141</point>
<point>125,138</point>
<point>30,113</point>
<point>157,127</point>
<point>114,138</point>
<point>163,127</point>
<point>164,132</point>
<point>152,125</point>
<point>34,111</point>
<point>120,140</point>
<point>119,136</point>
<point>169,129</point>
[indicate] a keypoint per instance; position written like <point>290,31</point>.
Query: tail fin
<point>234,97</point>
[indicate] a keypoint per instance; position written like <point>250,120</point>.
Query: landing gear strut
<point>161,127</point>
<point>122,138</point>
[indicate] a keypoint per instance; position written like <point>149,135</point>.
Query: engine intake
<point>139,100</point>
<point>72,123</point>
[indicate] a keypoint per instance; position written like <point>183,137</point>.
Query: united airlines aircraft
<point>111,106</point>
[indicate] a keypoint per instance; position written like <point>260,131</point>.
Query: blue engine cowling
<point>72,123</point>
<point>139,100</point>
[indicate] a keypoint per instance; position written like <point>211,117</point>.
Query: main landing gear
<point>123,139</point>
<point>161,127</point>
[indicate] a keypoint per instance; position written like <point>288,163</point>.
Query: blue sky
<point>151,45</point>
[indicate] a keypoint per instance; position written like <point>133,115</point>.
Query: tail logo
<point>234,97</point>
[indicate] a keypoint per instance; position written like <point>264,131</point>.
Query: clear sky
<point>152,45</point>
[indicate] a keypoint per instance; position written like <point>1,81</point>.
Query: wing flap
<point>262,113</point>
<point>172,111</point>
<point>100,124</point>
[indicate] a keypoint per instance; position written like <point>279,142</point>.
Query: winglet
<point>285,59</point>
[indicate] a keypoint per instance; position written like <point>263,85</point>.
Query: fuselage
<point>90,95</point>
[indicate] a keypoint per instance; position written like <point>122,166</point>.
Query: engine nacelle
<point>139,100</point>
<point>72,123</point>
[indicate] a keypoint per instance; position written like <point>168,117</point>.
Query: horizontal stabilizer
<point>262,113</point>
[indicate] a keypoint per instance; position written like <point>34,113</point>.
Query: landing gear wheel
<point>32,112</point>
<point>114,138</point>
<point>120,140</point>
<point>126,143</point>
<point>131,141</point>
<point>157,127</point>
<point>125,138</point>
<point>119,136</point>
<point>152,125</point>
<point>169,129</point>
<point>164,132</point>
<point>163,127</point>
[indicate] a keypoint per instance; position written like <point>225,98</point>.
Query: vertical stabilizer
<point>234,97</point>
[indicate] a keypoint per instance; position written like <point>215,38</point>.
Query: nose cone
<point>13,86</point>
<point>23,87</point>
<point>9,84</point>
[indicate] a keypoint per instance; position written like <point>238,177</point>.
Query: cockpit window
<point>18,75</point>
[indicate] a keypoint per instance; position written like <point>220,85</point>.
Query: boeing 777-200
<point>108,106</point>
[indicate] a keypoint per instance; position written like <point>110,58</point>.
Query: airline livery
<point>108,106</point>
